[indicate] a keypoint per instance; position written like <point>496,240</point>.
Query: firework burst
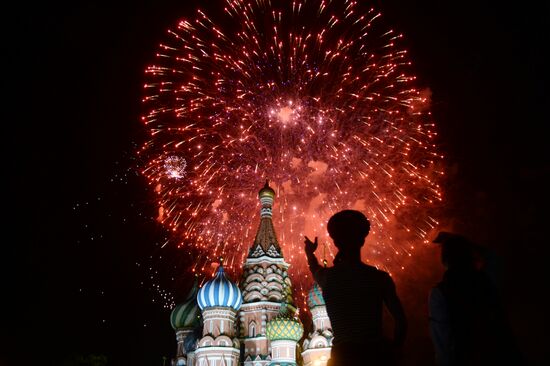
<point>315,96</point>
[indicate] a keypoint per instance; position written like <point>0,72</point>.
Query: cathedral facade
<point>253,323</point>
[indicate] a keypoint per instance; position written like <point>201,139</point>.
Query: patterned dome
<point>220,292</point>
<point>186,314</point>
<point>315,296</point>
<point>284,326</point>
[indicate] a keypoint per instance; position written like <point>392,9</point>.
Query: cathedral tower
<point>184,318</point>
<point>265,285</point>
<point>219,300</point>
<point>284,331</point>
<point>319,342</point>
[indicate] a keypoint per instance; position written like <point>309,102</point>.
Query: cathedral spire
<point>265,243</point>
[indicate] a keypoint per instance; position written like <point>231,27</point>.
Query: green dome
<point>186,314</point>
<point>284,326</point>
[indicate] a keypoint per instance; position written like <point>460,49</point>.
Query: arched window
<point>252,329</point>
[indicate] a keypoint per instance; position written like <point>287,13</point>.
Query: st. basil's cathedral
<point>253,323</point>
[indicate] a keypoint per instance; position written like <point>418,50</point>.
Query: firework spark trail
<point>311,95</point>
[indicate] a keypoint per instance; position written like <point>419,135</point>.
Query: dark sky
<point>74,75</point>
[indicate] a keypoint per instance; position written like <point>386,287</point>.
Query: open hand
<point>311,246</point>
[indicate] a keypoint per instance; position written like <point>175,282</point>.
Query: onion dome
<point>266,192</point>
<point>266,196</point>
<point>186,314</point>
<point>220,291</point>
<point>285,326</point>
<point>315,296</point>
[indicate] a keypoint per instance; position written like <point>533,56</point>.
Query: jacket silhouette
<point>467,322</point>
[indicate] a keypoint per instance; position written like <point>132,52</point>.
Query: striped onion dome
<point>186,314</point>
<point>315,296</point>
<point>220,292</point>
<point>285,326</point>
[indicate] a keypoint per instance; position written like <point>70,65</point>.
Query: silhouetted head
<point>348,229</point>
<point>456,251</point>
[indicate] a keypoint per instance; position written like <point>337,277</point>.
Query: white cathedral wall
<point>191,359</point>
<point>320,318</point>
<point>316,356</point>
<point>217,356</point>
<point>283,351</point>
<point>219,320</point>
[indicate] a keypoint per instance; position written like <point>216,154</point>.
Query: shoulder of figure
<point>368,267</point>
<point>382,275</point>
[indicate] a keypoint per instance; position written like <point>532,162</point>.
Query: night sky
<point>79,225</point>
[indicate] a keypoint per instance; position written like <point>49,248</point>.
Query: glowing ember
<point>284,114</point>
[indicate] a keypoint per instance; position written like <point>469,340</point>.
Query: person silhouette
<point>355,294</point>
<point>467,322</point>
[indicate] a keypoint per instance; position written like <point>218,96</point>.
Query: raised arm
<point>317,271</point>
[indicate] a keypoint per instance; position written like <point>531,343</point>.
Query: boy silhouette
<point>355,294</point>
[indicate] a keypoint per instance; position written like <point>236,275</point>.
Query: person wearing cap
<point>355,294</point>
<point>466,318</point>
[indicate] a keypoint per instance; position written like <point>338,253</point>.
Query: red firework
<point>314,96</point>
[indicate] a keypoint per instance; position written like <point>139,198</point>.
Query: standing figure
<point>355,294</point>
<point>467,322</point>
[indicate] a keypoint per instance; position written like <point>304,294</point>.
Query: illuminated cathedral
<point>253,323</point>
